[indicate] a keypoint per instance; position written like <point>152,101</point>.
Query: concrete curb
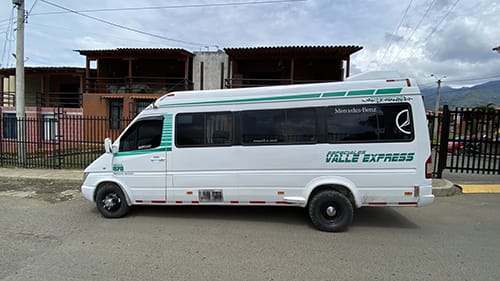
<point>444,187</point>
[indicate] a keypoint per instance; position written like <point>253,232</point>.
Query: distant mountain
<point>464,97</point>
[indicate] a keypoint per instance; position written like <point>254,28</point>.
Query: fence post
<point>59,119</point>
<point>443,141</point>
<point>1,133</point>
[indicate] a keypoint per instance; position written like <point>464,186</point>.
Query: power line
<point>490,78</point>
<point>441,21</point>
<point>434,29</point>
<point>7,35</point>
<point>129,28</point>
<point>72,30</point>
<point>415,29</point>
<point>32,6</point>
<point>397,29</point>
<point>171,7</point>
<point>474,79</point>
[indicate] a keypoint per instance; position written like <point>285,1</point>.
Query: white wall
<point>215,64</point>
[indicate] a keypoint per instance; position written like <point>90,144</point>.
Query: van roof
<point>393,86</point>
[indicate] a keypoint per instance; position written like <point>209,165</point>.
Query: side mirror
<point>109,147</point>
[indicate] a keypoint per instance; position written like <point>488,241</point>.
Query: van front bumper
<point>88,192</point>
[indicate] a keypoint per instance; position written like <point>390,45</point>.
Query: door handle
<point>157,159</point>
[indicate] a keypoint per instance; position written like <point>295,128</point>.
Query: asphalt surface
<point>456,238</point>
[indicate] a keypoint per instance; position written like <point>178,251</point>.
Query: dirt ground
<point>44,190</point>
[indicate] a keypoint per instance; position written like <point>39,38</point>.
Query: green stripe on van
<point>293,97</point>
<point>166,136</point>
<point>361,93</point>
<point>388,91</point>
<point>333,94</point>
<point>367,92</point>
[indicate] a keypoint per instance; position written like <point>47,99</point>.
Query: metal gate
<point>467,140</point>
<point>55,140</point>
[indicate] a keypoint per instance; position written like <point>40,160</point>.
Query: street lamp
<point>436,105</point>
<point>496,49</point>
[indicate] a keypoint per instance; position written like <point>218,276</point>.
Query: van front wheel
<point>111,201</point>
<point>331,211</point>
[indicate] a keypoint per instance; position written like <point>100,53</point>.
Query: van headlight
<point>85,175</point>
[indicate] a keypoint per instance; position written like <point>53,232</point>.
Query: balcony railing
<point>251,82</point>
<point>137,84</point>
<point>39,99</point>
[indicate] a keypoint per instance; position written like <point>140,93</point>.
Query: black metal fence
<point>55,141</point>
<point>466,141</point>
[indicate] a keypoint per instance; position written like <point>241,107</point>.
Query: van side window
<point>144,134</point>
<point>263,126</point>
<point>279,126</point>
<point>369,123</point>
<point>204,129</point>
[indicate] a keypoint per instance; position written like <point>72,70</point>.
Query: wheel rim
<point>111,201</point>
<point>330,211</point>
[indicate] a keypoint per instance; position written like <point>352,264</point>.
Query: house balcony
<point>253,82</point>
<point>137,84</point>
<point>41,99</point>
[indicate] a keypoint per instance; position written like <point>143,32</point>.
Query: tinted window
<point>143,134</point>
<point>204,129</point>
<point>361,123</point>
<point>263,127</point>
<point>301,125</point>
<point>279,126</point>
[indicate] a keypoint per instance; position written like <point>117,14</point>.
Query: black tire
<point>111,201</point>
<point>330,211</point>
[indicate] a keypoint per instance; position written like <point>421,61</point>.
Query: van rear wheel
<point>331,211</point>
<point>111,201</point>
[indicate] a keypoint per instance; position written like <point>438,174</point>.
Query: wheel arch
<point>120,186</point>
<point>339,184</point>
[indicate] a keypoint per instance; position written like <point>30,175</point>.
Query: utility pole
<point>436,105</point>
<point>20,111</point>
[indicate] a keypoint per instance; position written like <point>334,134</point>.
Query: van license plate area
<point>210,195</point>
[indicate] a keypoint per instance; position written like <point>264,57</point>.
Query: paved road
<point>457,238</point>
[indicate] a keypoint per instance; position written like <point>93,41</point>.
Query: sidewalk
<point>474,183</point>
<point>440,187</point>
<point>42,174</point>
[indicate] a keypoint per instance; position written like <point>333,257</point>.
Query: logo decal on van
<point>387,99</point>
<point>364,157</point>
<point>403,122</point>
<point>117,168</point>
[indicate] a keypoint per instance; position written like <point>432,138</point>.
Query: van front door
<point>140,163</point>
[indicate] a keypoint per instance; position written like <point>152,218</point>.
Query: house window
<point>9,126</point>
<point>140,105</point>
<point>115,114</point>
<point>49,128</point>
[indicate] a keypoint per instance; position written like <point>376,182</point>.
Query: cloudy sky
<point>452,38</point>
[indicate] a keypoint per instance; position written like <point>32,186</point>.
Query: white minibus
<point>326,147</point>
